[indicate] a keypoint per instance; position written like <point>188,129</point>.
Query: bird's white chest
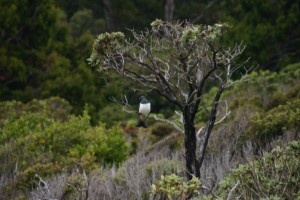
<point>145,108</point>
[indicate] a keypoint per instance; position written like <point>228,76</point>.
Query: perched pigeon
<point>144,111</point>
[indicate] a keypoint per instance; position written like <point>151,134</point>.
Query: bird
<point>144,110</point>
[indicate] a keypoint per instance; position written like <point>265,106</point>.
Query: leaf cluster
<point>106,43</point>
<point>173,187</point>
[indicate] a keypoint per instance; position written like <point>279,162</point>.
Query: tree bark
<point>212,119</point>
<point>109,19</point>
<point>192,164</point>
<point>169,9</point>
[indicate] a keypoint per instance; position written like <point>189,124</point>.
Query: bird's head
<point>141,98</point>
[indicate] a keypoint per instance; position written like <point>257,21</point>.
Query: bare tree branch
<point>232,190</point>
<point>167,121</point>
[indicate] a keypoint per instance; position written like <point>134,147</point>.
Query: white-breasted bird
<point>144,110</point>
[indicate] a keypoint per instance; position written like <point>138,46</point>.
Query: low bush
<point>173,187</point>
<point>32,141</point>
<point>276,175</point>
<point>269,124</point>
<point>160,129</point>
<point>280,98</point>
<point>54,107</point>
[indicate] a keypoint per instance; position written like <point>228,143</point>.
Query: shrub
<point>265,125</point>
<point>276,175</point>
<point>161,129</point>
<point>54,107</point>
<point>264,88</point>
<point>28,177</point>
<point>279,98</point>
<point>44,137</point>
<point>290,73</point>
<point>173,187</point>
<point>36,142</point>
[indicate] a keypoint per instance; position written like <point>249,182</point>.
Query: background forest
<point>62,137</point>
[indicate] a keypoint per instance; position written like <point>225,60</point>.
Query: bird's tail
<point>141,123</point>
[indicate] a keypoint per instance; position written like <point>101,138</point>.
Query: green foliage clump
<point>262,91</point>
<point>276,175</point>
<point>280,98</point>
<point>190,35</point>
<point>37,142</point>
<point>173,187</point>
<point>106,43</point>
<point>54,107</point>
<point>156,24</point>
<point>28,177</point>
<point>262,83</point>
<point>216,31</point>
<point>266,89</point>
<point>265,125</point>
<point>161,129</point>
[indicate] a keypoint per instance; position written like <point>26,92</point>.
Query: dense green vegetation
<point>42,137</point>
<point>59,128</point>
<point>45,46</point>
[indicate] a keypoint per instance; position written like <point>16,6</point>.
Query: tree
<point>27,35</point>
<point>180,62</point>
<point>169,9</point>
<point>110,24</point>
<point>270,28</point>
<point>42,54</point>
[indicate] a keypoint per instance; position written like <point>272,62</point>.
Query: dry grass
<point>133,179</point>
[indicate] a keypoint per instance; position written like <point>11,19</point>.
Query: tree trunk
<point>192,164</point>
<point>110,24</point>
<point>169,9</point>
<point>209,127</point>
